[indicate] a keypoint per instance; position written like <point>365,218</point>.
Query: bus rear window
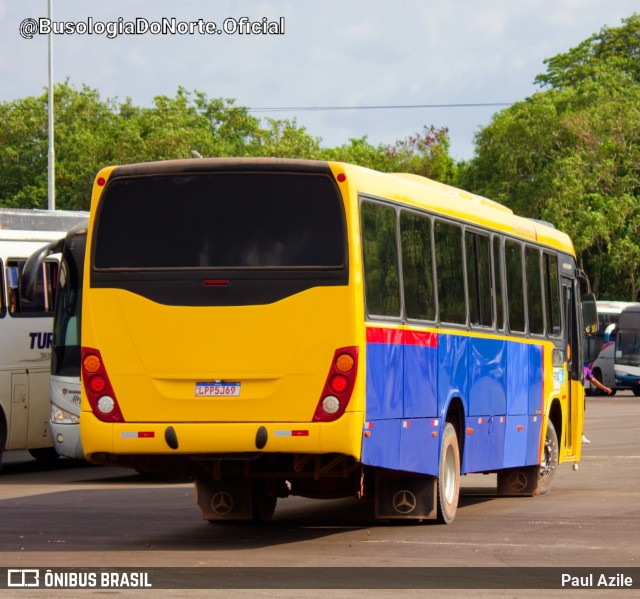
<point>220,220</point>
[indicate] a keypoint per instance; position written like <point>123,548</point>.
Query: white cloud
<point>334,53</point>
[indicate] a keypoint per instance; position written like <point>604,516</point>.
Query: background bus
<point>65,341</point>
<point>599,351</point>
<point>25,329</point>
<point>324,330</point>
<point>627,350</point>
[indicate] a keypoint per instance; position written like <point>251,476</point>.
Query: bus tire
<point>3,436</point>
<point>264,501</point>
<point>597,374</point>
<point>549,463</point>
<point>448,475</point>
<point>46,455</point>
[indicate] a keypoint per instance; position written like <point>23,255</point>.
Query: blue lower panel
<point>498,383</point>
<point>452,369</point>
<point>516,441</point>
<point>536,400</point>
<point>382,445</point>
<point>385,385</point>
<point>487,374</point>
<point>402,445</point>
<point>420,382</point>
<point>419,449</point>
<point>484,444</point>
<point>518,372</point>
<point>534,434</point>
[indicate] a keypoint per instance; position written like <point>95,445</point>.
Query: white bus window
<point>43,302</point>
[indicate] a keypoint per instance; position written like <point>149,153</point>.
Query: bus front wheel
<point>45,455</point>
<point>448,475</point>
<point>549,463</point>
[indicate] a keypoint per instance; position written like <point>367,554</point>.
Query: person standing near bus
<point>588,376</point>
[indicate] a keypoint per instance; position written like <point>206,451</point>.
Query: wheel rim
<point>449,475</point>
<point>548,459</point>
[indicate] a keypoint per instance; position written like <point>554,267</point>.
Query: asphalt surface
<point>71,515</point>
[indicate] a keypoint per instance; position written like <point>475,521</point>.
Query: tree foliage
<point>91,133</point>
<point>570,155</point>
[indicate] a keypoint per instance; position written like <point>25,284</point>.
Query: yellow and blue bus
<point>286,327</point>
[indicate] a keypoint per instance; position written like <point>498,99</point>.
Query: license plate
<point>216,388</point>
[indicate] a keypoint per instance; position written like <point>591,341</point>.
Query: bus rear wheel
<point>448,475</point>
<point>264,500</point>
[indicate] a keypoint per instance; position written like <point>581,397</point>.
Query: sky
<point>332,53</point>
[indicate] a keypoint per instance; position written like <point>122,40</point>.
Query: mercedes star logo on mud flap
<point>404,502</point>
<point>222,503</point>
<point>517,481</point>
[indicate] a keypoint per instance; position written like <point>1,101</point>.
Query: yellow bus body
<point>281,352</point>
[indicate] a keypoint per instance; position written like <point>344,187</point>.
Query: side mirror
<point>33,266</point>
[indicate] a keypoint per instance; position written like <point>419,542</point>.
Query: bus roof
<point>613,307</point>
<point>630,318</point>
<point>18,219</point>
<point>410,189</point>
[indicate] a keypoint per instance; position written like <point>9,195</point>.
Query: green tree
<point>91,133</point>
<point>426,153</point>
<point>23,153</point>
<point>613,49</point>
<point>359,151</point>
<point>571,155</point>
<point>284,139</point>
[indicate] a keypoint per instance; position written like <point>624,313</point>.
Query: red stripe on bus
<point>401,337</point>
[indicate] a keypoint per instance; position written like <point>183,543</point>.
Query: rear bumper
<point>343,436</point>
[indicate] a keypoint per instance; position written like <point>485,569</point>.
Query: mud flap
<point>401,495</point>
<point>519,482</point>
<point>224,500</point>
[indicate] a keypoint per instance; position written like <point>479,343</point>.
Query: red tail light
<point>98,387</point>
<point>338,386</point>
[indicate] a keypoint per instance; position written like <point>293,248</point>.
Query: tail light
<point>98,388</point>
<point>338,386</point>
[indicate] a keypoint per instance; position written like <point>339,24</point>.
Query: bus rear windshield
<point>220,221</point>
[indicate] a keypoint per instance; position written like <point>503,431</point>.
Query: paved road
<point>83,516</point>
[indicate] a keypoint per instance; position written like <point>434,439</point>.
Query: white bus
<point>599,347</point>
<point>25,329</point>
<point>627,350</point>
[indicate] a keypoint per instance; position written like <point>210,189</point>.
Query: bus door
<point>574,407</point>
<point>19,416</point>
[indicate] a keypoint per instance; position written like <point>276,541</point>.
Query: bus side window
<point>380,258</point>
<point>533,276</point>
<point>515,287</point>
<point>13,276</point>
<point>45,287</point>
<point>552,294</point>
<point>450,272</point>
